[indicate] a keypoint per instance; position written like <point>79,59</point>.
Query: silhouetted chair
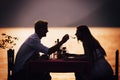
<point>10,57</point>
<point>116,76</point>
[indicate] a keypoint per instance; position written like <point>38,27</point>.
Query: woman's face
<point>78,35</point>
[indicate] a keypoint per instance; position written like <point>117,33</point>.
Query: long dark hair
<point>92,43</point>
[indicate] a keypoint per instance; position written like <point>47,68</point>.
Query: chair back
<point>10,57</point>
<point>117,65</point>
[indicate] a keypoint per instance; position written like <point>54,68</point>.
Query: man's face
<point>42,32</point>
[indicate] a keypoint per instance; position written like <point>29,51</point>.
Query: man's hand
<point>57,46</point>
<point>65,38</point>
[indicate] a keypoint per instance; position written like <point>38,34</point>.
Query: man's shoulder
<point>34,36</point>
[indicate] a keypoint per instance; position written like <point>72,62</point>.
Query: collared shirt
<point>31,46</point>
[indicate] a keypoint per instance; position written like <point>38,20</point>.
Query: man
<point>31,47</point>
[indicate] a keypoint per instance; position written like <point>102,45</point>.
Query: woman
<point>100,69</point>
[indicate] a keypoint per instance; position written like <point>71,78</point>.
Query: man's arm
<point>58,45</point>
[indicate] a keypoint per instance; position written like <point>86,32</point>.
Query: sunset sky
<point>23,13</point>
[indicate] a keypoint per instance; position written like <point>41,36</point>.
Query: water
<point>109,38</point>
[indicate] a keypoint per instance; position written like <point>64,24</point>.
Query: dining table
<point>57,65</point>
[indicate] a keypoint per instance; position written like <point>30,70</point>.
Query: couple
<point>100,68</point>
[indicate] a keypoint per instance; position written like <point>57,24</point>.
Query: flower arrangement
<point>7,41</point>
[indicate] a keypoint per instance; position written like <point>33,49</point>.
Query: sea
<point>109,38</point>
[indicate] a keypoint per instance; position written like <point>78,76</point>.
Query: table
<point>58,65</point>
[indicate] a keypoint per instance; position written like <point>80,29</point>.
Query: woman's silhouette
<point>100,69</point>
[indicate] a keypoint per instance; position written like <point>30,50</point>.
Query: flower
<point>7,41</point>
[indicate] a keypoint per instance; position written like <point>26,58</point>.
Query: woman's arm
<point>75,56</point>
